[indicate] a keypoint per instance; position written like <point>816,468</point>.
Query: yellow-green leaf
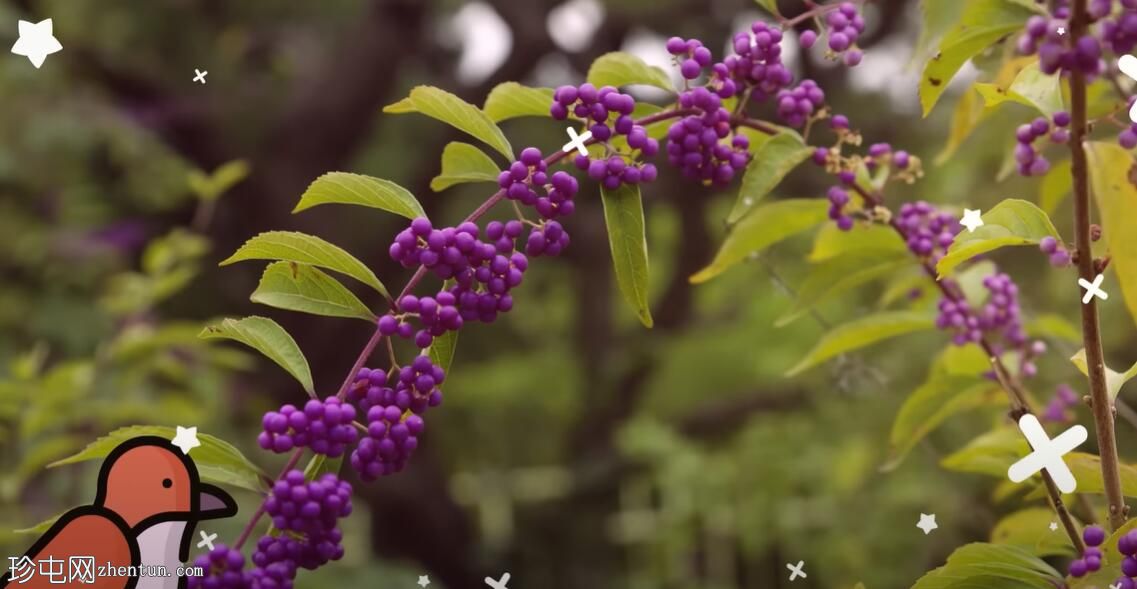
<point>770,6</point>
<point>941,397</point>
<point>357,189</point>
<point>304,288</point>
<point>510,100</point>
<point>990,566</point>
<point>1111,173</point>
<point>832,242</point>
<point>1054,326</point>
<point>981,23</point>
<point>766,225</point>
<point>1113,380</point>
<point>1011,222</point>
<point>772,161</point>
<point>624,215</point>
<point>320,465</point>
<point>965,118</point>
<point>269,338</point>
<point>864,332</point>
<point>217,461</point>
<point>462,163</point>
<point>840,274</point>
<point>1030,87</point>
<point>305,249</point>
<point>1055,186</point>
<point>991,453</point>
<point>442,350</point>
<point>1030,529</point>
<point>209,187</point>
<point>448,108</point>
<point>624,69</point>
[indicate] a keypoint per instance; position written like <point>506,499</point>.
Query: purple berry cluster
<point>756,63</point>
<point>1058,255</point>
<point>845,25</point>
<point>1090,560</point>
<point>797,105</point>
<point>1030,162</point>
<point>703,146</point>
<point>1050,39</point>
<point>394,415</point>
<point>690,55</point>
<point>531,171</point>
<point>1058,409</point>
<point>1120,33</point>
<point>324,427</point>
<point>1127,546</point>
<point>927,231</point>
<point>597,107</point>
<point>224,569</point>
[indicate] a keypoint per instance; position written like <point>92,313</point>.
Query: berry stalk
<point>1091,331</point>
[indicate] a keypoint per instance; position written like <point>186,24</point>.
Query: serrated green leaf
<point>766,225</point>
<point>624,216</point>
<point>357,189</point>
<point>981,23</point>
<point>442,350</point>
<point>1011,222</point>
<point>1030,87</point>
<point>269,338</point>
<point>1030,529</point>
<point>302,248</point>
<point>863,332</point>
<point>1113,380</point>
<point>217,461</point>
<point>319,465</point>
<point>772,161</point>
<point>841,274</point>
<point>624,69</point>
<point>1111,176</point>
<point>1055,186</point>
<point>304,288</point>
<point>448,108</point>
<point>941,397</point>
<point>462,163</point>
<point>510,100</point>
<point>986,566</point>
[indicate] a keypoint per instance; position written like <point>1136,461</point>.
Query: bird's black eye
<point>167,483</point>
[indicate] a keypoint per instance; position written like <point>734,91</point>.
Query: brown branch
<point>1091,331</point>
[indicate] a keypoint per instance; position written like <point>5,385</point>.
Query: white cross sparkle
<point>1047,454</point>
<point>199,75</point>
<point>1093,289</point>
<point>1128,66</point>
<point>795,571</point>
<point>206,540</point>
<point>498,584</point>
<point>577,141</point>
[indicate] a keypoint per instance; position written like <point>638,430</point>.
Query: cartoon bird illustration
<point>149,500</point>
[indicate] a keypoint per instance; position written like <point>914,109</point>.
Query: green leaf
<point>938,17</point>
<point>217,461</point>
<point>1054,326</point>
<point>210,187</point>
<point>991,453</point>
<point>968,113</point>
<point>462,163</point>
<point>941,397</point>
<point>764,226</point>
<point>1055,186</point>
<point>442,350</point>
<point>772,161</point>
<point>986,566</point>
<point>267,337</point>
<point>510,100</point>
<point>448,108</point>
<point>840,274</point>
<point>1111,176</point>
<point>1087,471</point>
<point>982,23</point>
<point>864,332</point>
<point>1030,529</point>
<point>624,215</point>
<point>320,465</point>
<point>770,6</point>
<point>1113,380</point>
<point>624,69</point>
<point>832,242</point>
<point>305,249</point>
<point>1030,87</point>
<point>356,189</point>
<point>299,287</point>
<point>1011,222</point>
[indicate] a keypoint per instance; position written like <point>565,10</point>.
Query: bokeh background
<point>575,448</point>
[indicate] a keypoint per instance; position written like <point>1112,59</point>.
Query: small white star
<point>36,41</point>
<point>1061,31</point>
<point>186,439</point>
<point>1053,526</point>
<point>423,580</point>
<point>971,219</point>
<point>927,523</point>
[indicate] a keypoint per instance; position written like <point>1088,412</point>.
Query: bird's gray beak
<point>215,503</point>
